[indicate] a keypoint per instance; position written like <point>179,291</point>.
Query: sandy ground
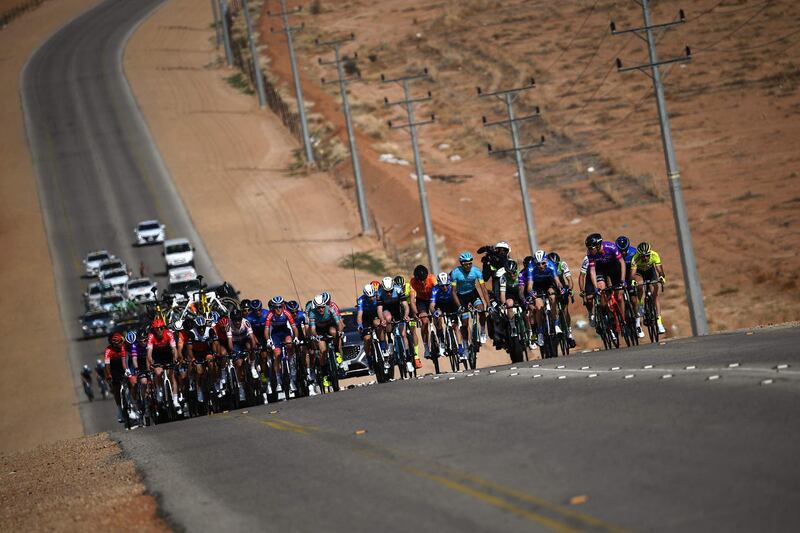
<point>734,114</point>
<point>74,485</point>
<point>217,144</point>
<point>26,419</point>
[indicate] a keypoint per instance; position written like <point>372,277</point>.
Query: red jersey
<point>116,355</point>
<point>280,321</point>
<point>221,333</point>
<point>335,308</point>
<point>424,289</point>
<point>167,340</point>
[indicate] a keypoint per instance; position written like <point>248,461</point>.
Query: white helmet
<point>319,300</point>
<point>504,245</point>
<point>444,278</point>
<point>369,290</point>
<point>387,283</point>
<point>540,256</point>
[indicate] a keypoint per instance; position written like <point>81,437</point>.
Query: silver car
<point>140,290</point>
<point>149,232</point>
<point>96,323</point>
<point>95,292</point>
<point>354,357</point>
<point>93,260</point>
<point>117,277</point>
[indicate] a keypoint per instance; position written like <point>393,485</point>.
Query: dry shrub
<point>371,125</point>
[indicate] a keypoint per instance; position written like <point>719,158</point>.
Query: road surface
<point>98,170</point>
<point>637,440</point>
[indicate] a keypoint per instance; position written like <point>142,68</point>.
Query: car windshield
<point>138,284</point>
<point>112,299</point>
<point>179,248</point>
<point>184,286</point>
<point>100,256</point>
<point>350,323</point>
<point>97,315</point>
<point>111,265</point>
<point>95,289</point>
<point>146,226</point>
<point>116,273</point>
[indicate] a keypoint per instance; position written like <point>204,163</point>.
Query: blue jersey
<point>535,274</point>
<point>464,282</point>
<point>367,305</point>
<point>441,293</point>
<point>257,319</point>
<point>391,298</point>
<point>300,317</point>
<point>628,255</point>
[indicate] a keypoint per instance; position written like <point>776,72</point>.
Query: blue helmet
<point>465,257</point>
<point>622,243</point>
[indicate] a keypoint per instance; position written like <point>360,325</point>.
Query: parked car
<point>95,291</point>
<point>97,323</point>
<point>140,290</point>
<point>110,264</point>
<point>93,260</point>
<point>354,357</point>
<point>178,252</point>
<point>117,277</point>
<point>149,232</point>
<point>184,273</point>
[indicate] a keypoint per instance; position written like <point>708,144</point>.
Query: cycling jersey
<point>607,255</point>
<point>423,289</point>
<point>242,333</point>
<point>167,340</point>
<point>464,282</point>
<point>200,339</point>
<point>258,321</point>
<point>115,355</point>
<point>643,263</point>
<point>280,321</point>
<point>335,308</point>
<point>391,299</point>
<point>563,270</point>
<point>220,332</point>
<point>365,304</point>
<point>326,316</point>
<point>585,265</point>
<point>300,318</point>
<point>628,255</point>
<point>441,293</point>
<point>535,274</point>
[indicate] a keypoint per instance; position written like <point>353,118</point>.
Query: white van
<point>178,252</point>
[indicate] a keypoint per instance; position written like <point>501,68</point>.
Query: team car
<point>149,232</point>
<point>93,260</point>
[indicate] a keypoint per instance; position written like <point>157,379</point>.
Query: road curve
<point>712,447</point>
<point>98,170</point>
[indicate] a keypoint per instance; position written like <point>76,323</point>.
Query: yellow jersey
<point>643,263</point>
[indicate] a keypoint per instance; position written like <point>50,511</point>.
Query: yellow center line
<point>500,496</point>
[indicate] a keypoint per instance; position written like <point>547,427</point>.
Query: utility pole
<point>342,81</point>
<point>262,95</point>
<point>298,90</point>
<point>694,293</point>
<point>226,34</point>
<point>508,96</point>
<point>215,11</point>
<point>408,102</point>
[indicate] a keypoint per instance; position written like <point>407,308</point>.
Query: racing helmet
<point>420,272</point>
<point>255,305</point>
<point>503,245</point>
<point>465,257</point>
<point>443,278</point>
<point>276,302</point>
<point>387,283</point>
<point>540,256</point>
<point>593,239</point>
<point>554,257</point>
<point>400,281</point>
<point>292,306</point>
<point>319,301</point>
<point>643,248</point>
<point>622,243</point>
<point>369,290</point>
<point>326,297</point>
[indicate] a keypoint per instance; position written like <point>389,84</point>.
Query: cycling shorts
<point>648,275</point>
<point>368,318</point>
<point>609,272</point>
<point>470,297</point>
<point>541,287</point>
<point>422,305</point>
<point>513,293</point>
<point>162,356</point>
<point>117,372</point>
<point>279,337</point>
<point>447,307</point>
<point>323,327</point>
<point>394,309</point>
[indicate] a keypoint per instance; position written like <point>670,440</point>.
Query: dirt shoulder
<point>74,485</point>
<point>26,419</point>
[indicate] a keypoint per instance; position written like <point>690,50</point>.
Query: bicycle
<point>650,318</point>
<point>378,358</point>
<point>285,378</point>
<point>163,394</point>
<point>608,318</point>
<point>629,318</point>
<point>87,386</point>
<point>550,346</point>
<point>517,333</point>
<point>129,408</point>
<point>474,346</point>
<point>449,340</point>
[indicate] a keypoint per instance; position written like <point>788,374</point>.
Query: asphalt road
<point>712,447</point>
<point>99,172</point>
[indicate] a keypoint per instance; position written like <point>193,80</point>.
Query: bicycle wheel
<point>125,405</point>
<point>630,319</point>
<point>652,320</point>
<point>399,357</point>
<point>451,347</point>
<point>608,323</point>
<point>434,349</point>
<point>333,368</point>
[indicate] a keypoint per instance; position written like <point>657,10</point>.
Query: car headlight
<point>85,327</point>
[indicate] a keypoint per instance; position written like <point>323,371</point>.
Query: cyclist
<point>587,290</point>
<point>281,333</point>
<point>422,284</point>
<point>443,302</point>
<point>540,278</point>
<point>116,369</point>
<point>162,351</point>
<point>565,276</point>
<point>301,321</point>
<point>411,296</point>
<point>100,371</point>
<point>326,299</point>
<point>222,329</point>
<point>393,302</point>
<point>506,292</point>
<point>367,312</point>
<point>86,379</point>
<point>201,346</point>
<point>647,263</point>
<point>494,258</point>
<point>470,290</point>
<point>254,312</point>
<point>624,246</point>
<point>323,321</point>
<point>606,266</point>
<point>136,343</point>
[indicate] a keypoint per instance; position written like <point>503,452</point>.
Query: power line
<point>767,4</point>
<point>574,37</point>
